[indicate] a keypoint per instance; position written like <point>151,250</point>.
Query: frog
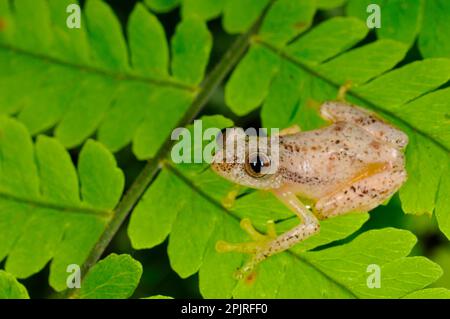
<point>353,164</point>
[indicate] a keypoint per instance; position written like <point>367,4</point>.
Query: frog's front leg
<point>265,246</point>
<point>294,129</point>
<point>343,91</point>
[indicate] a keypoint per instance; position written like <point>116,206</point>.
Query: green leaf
<point>159,297</point>
<point>148,56</point>
<point>431,293</point>
<point>400,19</point>
<point>48,211</point>
<point>186,256</point>
<point>29,14</point>
<point>286,19</point>
<point>149,226</point>
<point>104,188</point>
<point>441,255</point>
<point>328,39</point>
<point>250,81</point>
<point>69,44</point>
<point>192,42</point>
<point>106,39</point>
<point>362,64</point>
<point>396,88</point>
<point>329,4</point>
<point>121,97</point>
<point>434,40</point>
<point>402,276</point>
<point>443,204</point>
<point>115,277</point>
<point>405,20</point>
<point>204,9</point>
<point>427,162</point>
<point>10,288</point>
<point>238,15</point>
<point>162,5</point>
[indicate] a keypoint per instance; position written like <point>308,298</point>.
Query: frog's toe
<point>259,241</point>
<point>229,200</point>
<point>247,226</point>
<point>343,90</point>
<point>246,248</point>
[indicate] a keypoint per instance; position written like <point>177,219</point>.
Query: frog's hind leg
<point>340,111</point>
<point>363,194</point>
<point>264,246</point>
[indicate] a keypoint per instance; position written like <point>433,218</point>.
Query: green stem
<point>148,174</point>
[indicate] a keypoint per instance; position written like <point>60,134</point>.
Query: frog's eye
<point>257,164</point>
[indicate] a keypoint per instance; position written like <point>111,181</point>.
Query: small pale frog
<point>354,164</point>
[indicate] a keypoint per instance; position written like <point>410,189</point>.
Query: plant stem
<point>151,169</point>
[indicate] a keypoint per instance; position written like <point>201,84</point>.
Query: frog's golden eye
<point>257,164</point>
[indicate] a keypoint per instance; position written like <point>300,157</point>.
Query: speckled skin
<point>354,164</point>
<point>345,166</point>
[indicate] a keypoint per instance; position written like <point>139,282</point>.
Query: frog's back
<point>314,162</point>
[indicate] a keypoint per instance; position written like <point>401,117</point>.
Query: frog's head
<point>250,161</point>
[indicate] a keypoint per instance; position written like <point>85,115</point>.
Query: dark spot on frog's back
<point>288,147</point>
<point>2,25</point>
<point>299,178</point>
<point>293,147</point>
<point>375,145</point>
<point>225,167</point>
<point>339,126</point>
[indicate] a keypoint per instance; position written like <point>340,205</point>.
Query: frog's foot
<point>343,91</point>
<point>259,244</point>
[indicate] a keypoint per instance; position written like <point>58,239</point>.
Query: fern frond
<point>49,210</point>
<point>90,80</point>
